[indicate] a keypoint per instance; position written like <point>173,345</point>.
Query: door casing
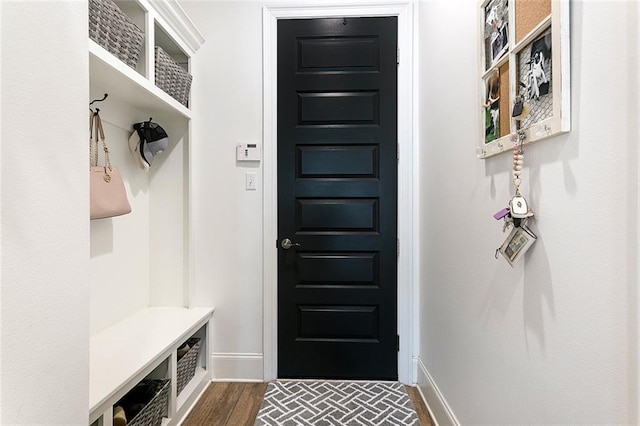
<point>407,176</point>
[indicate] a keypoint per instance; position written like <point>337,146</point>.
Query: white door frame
<point>407,175</point>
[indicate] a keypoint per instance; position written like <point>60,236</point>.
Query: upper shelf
<point>110,75</point>
<point>164,24</point>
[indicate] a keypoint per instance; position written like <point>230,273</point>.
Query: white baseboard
<point>438,408</point>
<point>237,367</point>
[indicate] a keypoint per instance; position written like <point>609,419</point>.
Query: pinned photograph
<point>492,123</point>
<point>534,79</point>
<point>500,44</point>
<point>496,16</point>
<point>492,107</point>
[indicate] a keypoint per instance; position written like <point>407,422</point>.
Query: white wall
<point>119,255</point>
<point>138,260</point>
<point>227,100</point>
<point>554,339</point>
<point>45,232</point>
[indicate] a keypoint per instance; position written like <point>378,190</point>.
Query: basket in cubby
<point>171,77</point>
<point>115,31</point>
<point>187,363</point>
<point>146,404</point>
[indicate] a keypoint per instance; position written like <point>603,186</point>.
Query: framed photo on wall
<point>524,72</point>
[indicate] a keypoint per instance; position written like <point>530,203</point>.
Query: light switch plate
<point>250,181</point>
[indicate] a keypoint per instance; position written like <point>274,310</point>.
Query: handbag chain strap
<point>96,124</point>
<point>91,120</point>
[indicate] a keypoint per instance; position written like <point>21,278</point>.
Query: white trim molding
<point>438,408</point>
<point>637,227</point>
<point>173,13</point>
<point>237,367</point>
<point>407,178</point>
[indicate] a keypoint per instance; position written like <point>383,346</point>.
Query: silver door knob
<point>287,244</point>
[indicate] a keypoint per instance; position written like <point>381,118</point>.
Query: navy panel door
<point>337,185</point>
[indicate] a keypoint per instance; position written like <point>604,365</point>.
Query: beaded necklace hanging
<point>518,205</point>
<point>518,161</point>
<point>521,238</point>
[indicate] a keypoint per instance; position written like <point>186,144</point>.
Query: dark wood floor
<point>237,404</point>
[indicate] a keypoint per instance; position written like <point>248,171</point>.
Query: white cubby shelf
<point>123,82</point>
<point>143,307</point>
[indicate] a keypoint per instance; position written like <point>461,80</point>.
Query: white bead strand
<point>518,162</point>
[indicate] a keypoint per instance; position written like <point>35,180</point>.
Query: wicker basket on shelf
<point>187,364</point>
<point>171,77</point>
<point>115,31</point>
<point>146,404</point>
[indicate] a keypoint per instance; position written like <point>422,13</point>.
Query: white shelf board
<point>190,395</point>
<point>112,76</point>
<point>123,354</point>
<point>199,376</point>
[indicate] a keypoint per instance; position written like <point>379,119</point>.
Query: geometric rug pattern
<point>294,403</point>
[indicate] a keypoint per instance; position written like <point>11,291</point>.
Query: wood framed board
<point>524,72</point>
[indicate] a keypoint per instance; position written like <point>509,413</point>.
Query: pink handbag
<point>108,197</point>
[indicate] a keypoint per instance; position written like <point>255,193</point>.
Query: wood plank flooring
<point>237,404</point>
<point>227,404</point>
<point>418,404</point>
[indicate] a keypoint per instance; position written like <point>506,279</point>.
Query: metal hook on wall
<point>98,100</point>
<point>106,95</point>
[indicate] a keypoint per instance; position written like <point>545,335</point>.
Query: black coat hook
<point>99,100</point>
<point>344,21</point>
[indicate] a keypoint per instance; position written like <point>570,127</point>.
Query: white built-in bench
<point>124,354</point>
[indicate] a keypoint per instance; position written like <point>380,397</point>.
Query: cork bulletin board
<point>524,72</point>
<point>504,99</point>
<point>530,13</point>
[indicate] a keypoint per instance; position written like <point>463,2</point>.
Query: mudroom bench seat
<point>145,345</point>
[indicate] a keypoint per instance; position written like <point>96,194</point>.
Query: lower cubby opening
<point>190,360</point>
<point>187,362</point>
<point>148,402</point>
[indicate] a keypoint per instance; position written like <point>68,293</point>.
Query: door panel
<point>338,54</point>
<point>338,323</point>
<point>338,108</point>
<point>327,216</point>
<point>337,181</point>
<point>337,269</point>
<point>341,161</point>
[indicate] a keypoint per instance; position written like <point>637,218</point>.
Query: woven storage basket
<point>187,364</point>
<point>171,77</point>
<point>115,31</point>
<point>153,411</point>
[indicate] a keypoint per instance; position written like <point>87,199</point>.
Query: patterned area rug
<point>341,403</point>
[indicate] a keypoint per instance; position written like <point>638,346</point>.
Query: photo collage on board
<point>496,45</point>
